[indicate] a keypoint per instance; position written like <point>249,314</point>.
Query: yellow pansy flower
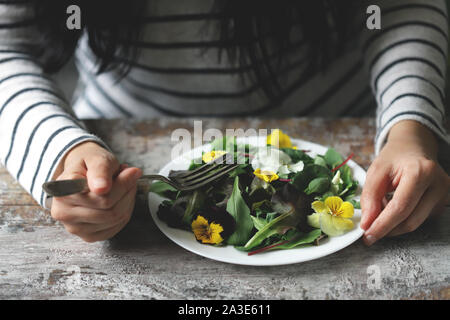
<point>279,139</point>
<point>332,216</point>
<point>207,232</point>
<point>213,155</point>
<point>267,176</point>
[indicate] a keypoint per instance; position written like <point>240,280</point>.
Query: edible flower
<point>279,139</point>
<point>332,216</point>
<point>207,232</point>
<point>270,159</point>
<point>291,168</point>
<point>213,155</point>
<point>267,176</point>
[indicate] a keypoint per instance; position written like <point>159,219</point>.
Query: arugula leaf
<point>269,229</point>
<point>258,223</point>
<point>333,158</point>
<point>194,204</point>
<point>238,209</point>
<point>320,161</point>
<point>346,175</point>
<point>292,209</point>
<point>318,185</point>
<point>269,216</point>
<point>297,238</point>
<point>302,179</point>
<point>297,155</point>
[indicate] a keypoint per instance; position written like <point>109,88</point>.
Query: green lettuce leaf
<point>297,238</point>
<point>239,210</point>
<point>163,189</point>
<point>333,158</point>
<point>297,155</point>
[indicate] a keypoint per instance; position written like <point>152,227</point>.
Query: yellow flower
<point>207,232</point>
<point>267,176</point>
<point>332,216</point>
<point>279,139</point>
<point>213,155</point>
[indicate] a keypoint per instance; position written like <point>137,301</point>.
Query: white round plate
<point>229,254</point>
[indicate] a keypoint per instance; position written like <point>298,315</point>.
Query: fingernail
<point>370,240</point>
<point>363,220</point>
<point>363,224</point>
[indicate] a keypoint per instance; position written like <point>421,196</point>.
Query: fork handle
<point>63,188</point>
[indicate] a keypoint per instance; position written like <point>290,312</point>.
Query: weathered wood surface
<point>39,260</point>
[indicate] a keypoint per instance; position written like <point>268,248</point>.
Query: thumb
<point>101,168</point>
<point>374,191</point>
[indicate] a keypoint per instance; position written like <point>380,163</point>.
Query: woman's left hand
<point>406,165</point>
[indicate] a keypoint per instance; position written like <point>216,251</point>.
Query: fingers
<point>90,208</point>
<point>429,200</point>
<point>75,215</point>
<point>376,186</point>
<point>94,163</point>
<point>104,210</point>
<point>96,232</point>
<point>100,171</point>
<point>107,233</point>
<point>97,225</point>
<point>126,205</point>
<point>405,199</point>
<point>124,182</point>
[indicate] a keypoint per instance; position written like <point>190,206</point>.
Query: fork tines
<point>205,174</point>
<point>226,158</point>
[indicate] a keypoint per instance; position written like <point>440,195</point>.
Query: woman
<point>223,58</point>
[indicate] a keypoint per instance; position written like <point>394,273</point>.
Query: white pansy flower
<point>291,168</point>
<point>270,159</point>
<point>275,160</point>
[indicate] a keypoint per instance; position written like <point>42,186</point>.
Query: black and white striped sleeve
<point>407,59</point>
<point>37,127</point>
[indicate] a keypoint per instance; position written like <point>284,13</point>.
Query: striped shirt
<point>398,72</point>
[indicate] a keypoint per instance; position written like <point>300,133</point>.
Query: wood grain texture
<point>40,260</point>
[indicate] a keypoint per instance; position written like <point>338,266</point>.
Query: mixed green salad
<point>278,197</point>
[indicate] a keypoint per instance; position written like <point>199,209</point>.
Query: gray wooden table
<point>40,260</point>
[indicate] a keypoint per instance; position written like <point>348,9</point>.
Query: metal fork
<point>186,180</point>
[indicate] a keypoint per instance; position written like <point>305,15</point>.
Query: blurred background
<point>68,76</point>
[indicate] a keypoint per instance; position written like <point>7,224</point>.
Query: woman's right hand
<point>101,213</point>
